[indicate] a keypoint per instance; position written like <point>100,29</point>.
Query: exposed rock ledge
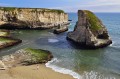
<point>6,40</point>
<point>89,31</point>
<point>31,18</point>
<point>27,56</point>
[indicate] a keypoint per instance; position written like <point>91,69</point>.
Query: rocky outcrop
<point>61,29</point>
<point>89,31</point>
<point>27,56</point>
<point>31,18</point>
<point>6,40</point>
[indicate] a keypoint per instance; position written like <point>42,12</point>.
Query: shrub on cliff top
<point>94,21</point>
<point>7,8</point>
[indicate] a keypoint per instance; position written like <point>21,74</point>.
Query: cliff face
<point>31,17</point>
<point>89,31</point>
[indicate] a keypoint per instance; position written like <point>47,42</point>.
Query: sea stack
<point>31,18</point>
<point>89,31</point>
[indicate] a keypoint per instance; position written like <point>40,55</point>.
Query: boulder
<point>89,31</point>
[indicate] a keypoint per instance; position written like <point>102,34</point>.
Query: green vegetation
<point>58,11</point>
<point>38,55</point>
<point>47,10</point>
<point>94,21</point>
<point>33,9</point>
<point>6,40</point>
<point>4,33</point>
<point>7,8</point>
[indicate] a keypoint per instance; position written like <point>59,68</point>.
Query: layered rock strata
<point>31,18</point>
<point>89,31</point>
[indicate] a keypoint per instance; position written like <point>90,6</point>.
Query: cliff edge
<point>31,18</point>
<point>89,31</point>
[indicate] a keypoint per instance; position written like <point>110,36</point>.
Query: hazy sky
<point>67,5</point>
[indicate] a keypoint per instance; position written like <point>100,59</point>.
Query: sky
<point>67,5</point>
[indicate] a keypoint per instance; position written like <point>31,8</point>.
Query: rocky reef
<point>31,18</point>
<point>89,31</point>
<point>6,40</point>
<point>27,56</point>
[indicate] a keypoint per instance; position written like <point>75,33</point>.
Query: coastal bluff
<point>89,31</point>
<point>31,18</point>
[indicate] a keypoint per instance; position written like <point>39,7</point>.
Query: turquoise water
<point>82,64</point>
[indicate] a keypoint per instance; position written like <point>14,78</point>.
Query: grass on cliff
<point>38,55</point>
<point>34,9</point>
<point>48,10</point>
<point>95,23</point>
<point>7,8</point>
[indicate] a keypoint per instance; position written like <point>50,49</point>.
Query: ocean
<point>103,63</point>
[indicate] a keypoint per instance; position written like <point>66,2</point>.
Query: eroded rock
<point>89,31</point>
<point>31,18</point>
<point>27,56</point>
<point>6,40</point>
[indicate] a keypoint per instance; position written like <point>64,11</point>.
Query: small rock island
<point>89,31</point>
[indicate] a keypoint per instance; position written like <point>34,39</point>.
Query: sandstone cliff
<point>89,31</point>
<point>31,17</point>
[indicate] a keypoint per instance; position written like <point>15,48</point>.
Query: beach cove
<point>100,62</point>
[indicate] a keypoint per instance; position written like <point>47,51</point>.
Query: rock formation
<point>31,18</point>
<point>27,56</point>
<point>89,31</point>
<point>61,29</point>
<point>6,40</point>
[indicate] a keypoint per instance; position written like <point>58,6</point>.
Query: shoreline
<point>31,72</point>
<point>62,70</point>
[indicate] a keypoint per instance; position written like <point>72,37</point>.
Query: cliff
<point>31,18</point>
<point>89,31</point>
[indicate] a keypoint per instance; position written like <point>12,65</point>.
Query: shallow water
<point>69,59</point>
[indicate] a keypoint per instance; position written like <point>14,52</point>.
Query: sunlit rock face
<point>31,18</point>
<point>89,31</point>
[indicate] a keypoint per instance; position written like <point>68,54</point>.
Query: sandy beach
<point>31,72</point>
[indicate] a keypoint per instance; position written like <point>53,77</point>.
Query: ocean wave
<point>85,75</point>
<point>62,70</point>
<point>95,75</point>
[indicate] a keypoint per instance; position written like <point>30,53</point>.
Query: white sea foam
<point>62,70</point>
<point>53,40</point>
<point>95,75</point>
<point>85,75</point>
<point>112,44</point>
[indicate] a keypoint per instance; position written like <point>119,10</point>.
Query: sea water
<point>101,63</point>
